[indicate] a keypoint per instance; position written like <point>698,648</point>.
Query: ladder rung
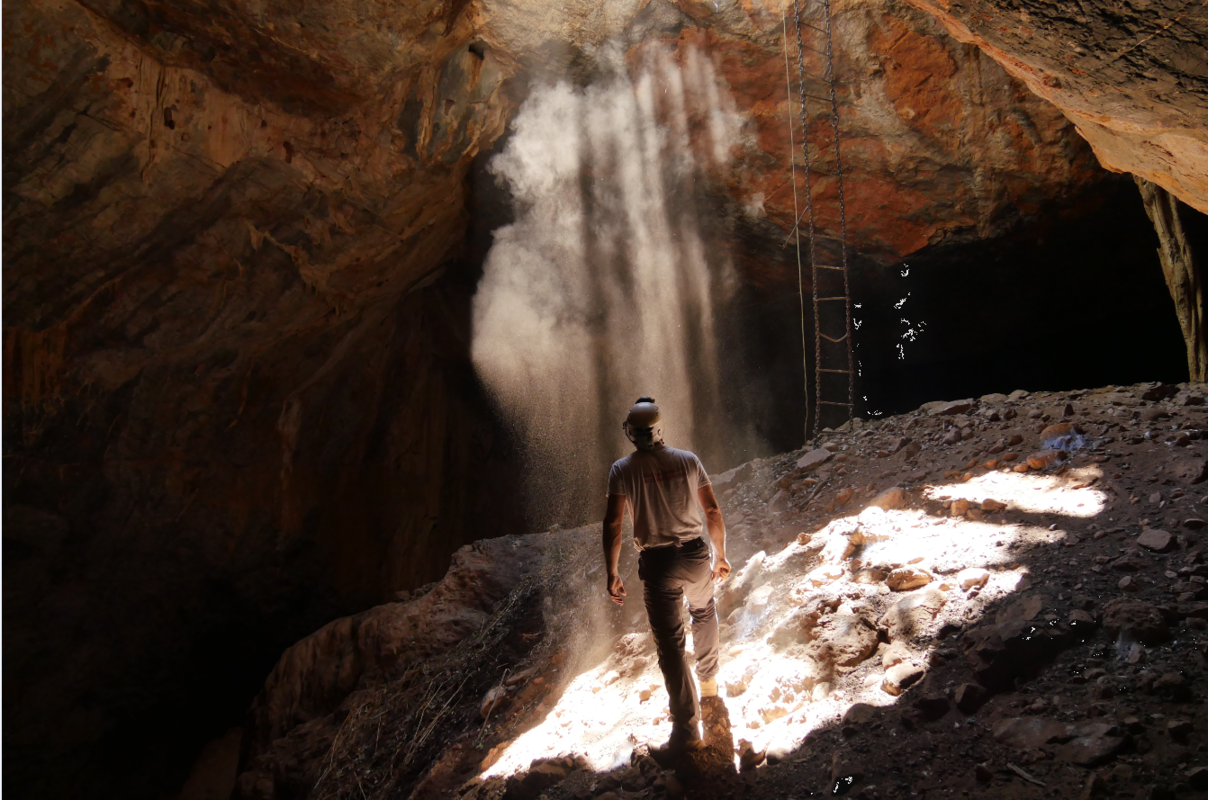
<point>816,97</point>
<point>833,339</point>
<point>833,403</point>
<point>815,49</point>
<point>827,266</point>
<point>842,371</point>
<point>820,299</point>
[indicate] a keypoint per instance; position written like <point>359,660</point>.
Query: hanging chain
<point>809,210</point>
<point>796,232</point>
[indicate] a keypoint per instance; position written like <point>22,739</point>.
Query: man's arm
<point>613,518</point>
<point>717,530</point>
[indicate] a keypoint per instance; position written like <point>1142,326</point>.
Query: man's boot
<point>683,740</point>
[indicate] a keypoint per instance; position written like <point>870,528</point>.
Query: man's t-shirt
<point>661,486</point>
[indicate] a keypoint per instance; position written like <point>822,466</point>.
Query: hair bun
<point>645,399</point>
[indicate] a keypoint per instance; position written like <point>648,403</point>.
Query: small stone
<point>813,459</point>
<point>843,496</point>
<point>905,579</point>
<point>1044,458</point>
<point>970,697</point>
<point>1197,778</point>
<point>952,408</point>
<point>959,507</point>
<point>1193,524</point>
<point>1129,584</point>
<point>1179,728</point>
<point>1139,619</point>
<point>895,654</point>
<point>1057,431</point>
<point>859,713</point>
<point>932,705</point>
<point>890,499</point>
<point>952,437</point>
<point>1021,467</point>
<point>983,774</point>
<point>972,578</point>
<point>900,678</point>
<point>992,464</point>
<point>491,701</point>
<point>1014,439</point>
<point>990,505</point>
<point>1154,539</point>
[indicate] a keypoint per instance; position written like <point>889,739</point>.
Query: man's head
<point>644,425</point>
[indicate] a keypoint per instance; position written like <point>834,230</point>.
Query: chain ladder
<point>815,268</point>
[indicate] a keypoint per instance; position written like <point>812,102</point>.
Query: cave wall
<point>237,400</point>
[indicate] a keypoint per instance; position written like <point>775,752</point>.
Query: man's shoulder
<point>623,462</point>
<point>686,455</point>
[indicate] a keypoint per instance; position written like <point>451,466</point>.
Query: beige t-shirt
<point>661,486</point>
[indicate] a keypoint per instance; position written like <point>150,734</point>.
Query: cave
<point>321,322</point>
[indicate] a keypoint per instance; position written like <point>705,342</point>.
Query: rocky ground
<point>1002,597</point>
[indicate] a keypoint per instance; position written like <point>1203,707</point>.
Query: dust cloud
<point>605,288</point>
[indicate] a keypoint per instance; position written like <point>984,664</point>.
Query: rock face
<point>1133,76</point>
<point>233,410</point>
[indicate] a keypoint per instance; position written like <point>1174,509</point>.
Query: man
<point>662,487</point>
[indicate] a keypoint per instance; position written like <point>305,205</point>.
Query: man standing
<point>662,487</point>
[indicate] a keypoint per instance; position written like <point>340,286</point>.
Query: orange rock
<point>991,464</point>
<point>960,507</point>
<point>1044,458</point>
<point>1021,467</point>
<point>1010,457</point>
<point>1058,430</point>
<point>843,496</point>
<point>991,505</point>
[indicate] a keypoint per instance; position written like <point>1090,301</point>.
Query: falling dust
<point>605,288</point>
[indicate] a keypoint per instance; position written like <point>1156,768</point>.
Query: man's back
<point>661,486</point>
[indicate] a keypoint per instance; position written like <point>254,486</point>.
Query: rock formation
<point>1131,74</point>
<point>860,622</point>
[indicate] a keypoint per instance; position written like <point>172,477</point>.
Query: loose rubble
<point>1019,610</point>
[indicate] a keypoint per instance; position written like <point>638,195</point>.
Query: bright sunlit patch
<point>1069,494</point>
<point>798,645</point>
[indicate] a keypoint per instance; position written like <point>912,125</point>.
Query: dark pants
<point>668,575</point>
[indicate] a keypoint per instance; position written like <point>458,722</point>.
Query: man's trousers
<point>669,574</point>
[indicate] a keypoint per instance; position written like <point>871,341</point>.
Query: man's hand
<point>616,588</point>
<point>721,568</point>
